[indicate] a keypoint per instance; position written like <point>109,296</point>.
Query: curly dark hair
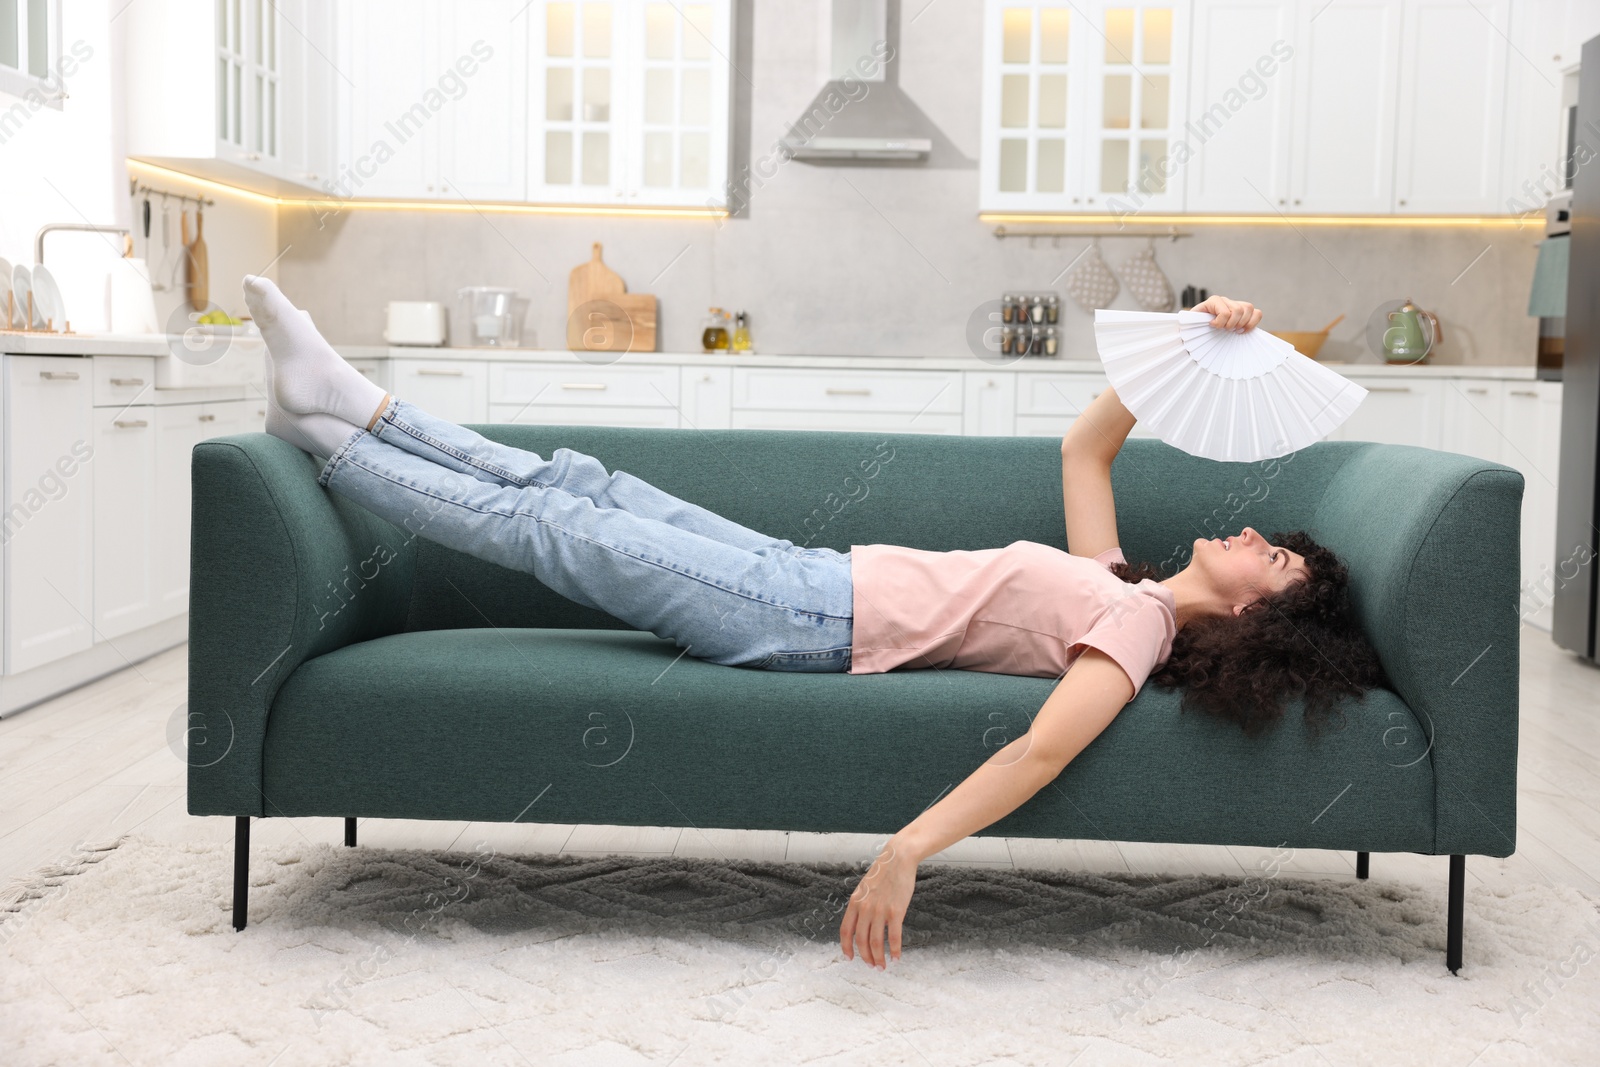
<point>1304,641</point>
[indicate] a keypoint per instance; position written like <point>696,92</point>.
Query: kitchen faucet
<point>88,227</point>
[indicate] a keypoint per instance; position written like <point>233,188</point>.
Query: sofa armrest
<point>1432,540</point>
<point>280,571</point>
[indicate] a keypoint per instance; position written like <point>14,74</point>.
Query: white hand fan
<point>1217,394</point>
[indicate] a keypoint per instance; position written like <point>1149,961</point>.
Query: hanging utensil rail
<point>1171,233</point>
<point>135,187</point>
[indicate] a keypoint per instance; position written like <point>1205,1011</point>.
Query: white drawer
<point>1056,394</point>
<point>375,371</point>
<point>122,380</point>
<point>592,415</point>
<point>910,391</point>
<point>864,421</point>
<point>613,385</point>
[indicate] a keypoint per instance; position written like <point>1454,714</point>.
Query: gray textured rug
<point>374,955</point>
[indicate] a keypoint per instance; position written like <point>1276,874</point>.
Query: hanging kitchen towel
<point>1091,282</point>
<point>1146,282</point>
<point>1548,296</point>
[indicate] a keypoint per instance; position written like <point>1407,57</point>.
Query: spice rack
<point>1030,323</point>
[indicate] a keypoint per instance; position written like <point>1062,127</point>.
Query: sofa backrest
<point>921,490</point>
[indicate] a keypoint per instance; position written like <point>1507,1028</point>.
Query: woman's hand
<point>878,905</point>
<point>1236,315</point>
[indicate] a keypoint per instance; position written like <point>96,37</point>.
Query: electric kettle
<point>1407,339</point>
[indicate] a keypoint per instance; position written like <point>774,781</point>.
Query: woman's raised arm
<point>1097,435</point>
<point>1093,441</point>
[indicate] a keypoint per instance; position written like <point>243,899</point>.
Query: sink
<point>202,358</point>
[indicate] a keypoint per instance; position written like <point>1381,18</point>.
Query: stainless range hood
<point>860,113</point>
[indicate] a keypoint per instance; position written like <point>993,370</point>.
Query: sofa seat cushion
<point>607,726</point>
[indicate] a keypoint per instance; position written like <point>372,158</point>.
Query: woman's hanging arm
<point>1093,441</point>
<point>1082,705</point>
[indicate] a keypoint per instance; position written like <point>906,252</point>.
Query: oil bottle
<point>741,333</point>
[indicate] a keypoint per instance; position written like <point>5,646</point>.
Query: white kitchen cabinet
<point>1532,444</point>
<point>307,92</point>
<point>388,146</point>
<point>1346,88</point>
<point>224,89</point>
<point>1241,112</point>
<point>1473,416</point>
<point>48,510</point>
<point>483,139</point>
<point>179,428</point>
<point>124,524</point>
<point>628,102</point>
<point>1396,411</point>
<point>909,401</point>
<point>705,398</point>
<point>1081,104</point>
<point>989,404</point>
<point>1451,107</point>
<point>665,418</point>
<point>453,389</point>
<point>1047,402</point>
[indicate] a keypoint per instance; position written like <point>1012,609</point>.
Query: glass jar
<point>714,335</point>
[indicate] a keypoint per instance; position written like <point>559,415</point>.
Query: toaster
<point>415,322</point>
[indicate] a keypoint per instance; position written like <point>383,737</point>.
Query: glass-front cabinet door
<point>629,102</point>
<point>574,149</point>
<point>1082,106</point>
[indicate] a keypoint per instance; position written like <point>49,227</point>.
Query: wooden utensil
<point>602,316</point>
<point>197,269</point>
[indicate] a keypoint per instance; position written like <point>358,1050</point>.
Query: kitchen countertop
<point>100,344</point>
<point>159,345</point>
<point>930,363</point>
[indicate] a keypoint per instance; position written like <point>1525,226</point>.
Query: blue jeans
<point>605,540</point>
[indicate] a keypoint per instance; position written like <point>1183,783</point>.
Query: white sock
<point>318,432</point>
<point>308,376</point>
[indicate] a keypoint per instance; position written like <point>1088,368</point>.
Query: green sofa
<point>340,666</point>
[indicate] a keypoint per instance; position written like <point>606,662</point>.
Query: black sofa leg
<point>1458,898</point>
<point>349,833</point>
<point>1361,864</point>
<point>241,869</point>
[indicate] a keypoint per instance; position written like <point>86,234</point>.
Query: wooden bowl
<point>1306,342</point>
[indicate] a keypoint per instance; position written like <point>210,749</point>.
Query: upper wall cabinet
<point>1081,104</point>
<point>630,102</point>
<point>1449,138</point>
<point>1358,107</point>
<point>436,102</point>
<point>235,90</point>
<point>597,102</point>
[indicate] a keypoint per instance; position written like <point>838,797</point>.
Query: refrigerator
<point>1577,595</point>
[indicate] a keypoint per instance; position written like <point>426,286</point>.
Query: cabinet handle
<point>261,413</point>
<point>1388,388</point>
<point>849,392</point>
<point>130,424</point>
<point>127,381</point>
<point>208,418</point>
<point>583,385</point>
<point>365,370</point>
<point>1477,390</point>
<point>59,375</point>
<point>440,373</point>
<point>1523,392</point>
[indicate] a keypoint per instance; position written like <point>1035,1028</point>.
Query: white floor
<point>97,762</point>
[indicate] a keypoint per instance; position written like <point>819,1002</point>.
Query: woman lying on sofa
<point>1247,624</point>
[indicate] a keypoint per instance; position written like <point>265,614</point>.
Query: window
<point>30,49</point>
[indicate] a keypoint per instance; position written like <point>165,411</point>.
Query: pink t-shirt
<point>1026,609</point>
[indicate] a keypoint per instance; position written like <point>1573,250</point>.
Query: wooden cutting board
<point>197,266</point>
<point>602,316</point>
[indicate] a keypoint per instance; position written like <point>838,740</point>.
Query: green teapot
<point>1406,340</point>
